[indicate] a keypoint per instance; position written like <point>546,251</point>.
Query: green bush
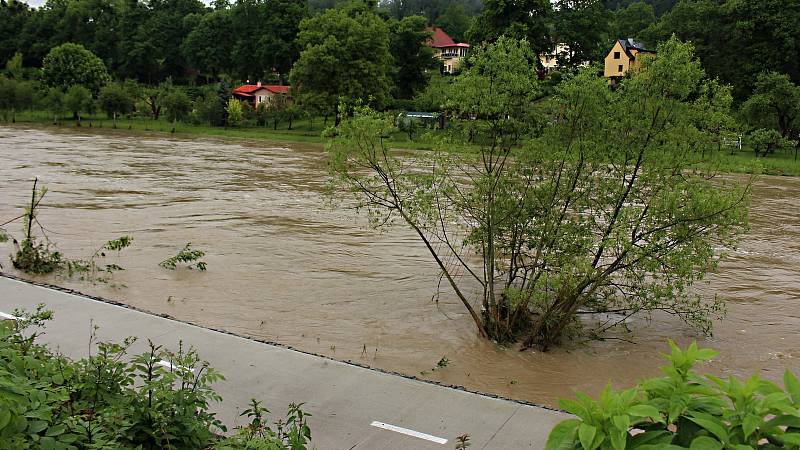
<point>111,401</point>
<point>684,410</point>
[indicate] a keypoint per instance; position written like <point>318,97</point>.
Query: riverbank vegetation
<point>112,399</point>
<point>82,60</point>
<point>605,210</point>
<point>684,410</point>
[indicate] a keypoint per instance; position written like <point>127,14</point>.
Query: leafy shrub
<point>108,401</point>
<point>684,410</point>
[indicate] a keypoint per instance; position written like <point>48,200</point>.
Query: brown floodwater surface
<point>285,265</point>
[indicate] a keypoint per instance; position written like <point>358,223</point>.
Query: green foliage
<point>187,255</point>
<point>412,56</point>
<point>113,400</point>
<point>208,47</point>
<point>177,105</point>
<point>54,103</point>
<point>39,257</point>
<point>455,21</point>
<point>519,19</point>
<point>211,109</point>
<point>115,99</point>
<point>736,40</point>
<point>345,57</point>
<point>78,99</point>
<point>33,256</point>
<point>292,434</point>
<point>265,37</point>
<point>775,104</point>
<point>583,25</point>
<point>15,95</point>
<point>629,22</point>
<point>73,65</point>
<point>14,66</point>
<point>685,411</point>
<point>547,228</point>
<point>766,141</point>
<point>235,112</point>
<point>92,269</point>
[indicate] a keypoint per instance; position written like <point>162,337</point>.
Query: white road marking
<point>408,432</point>
<point>5,316</point>
<point>168,365</point>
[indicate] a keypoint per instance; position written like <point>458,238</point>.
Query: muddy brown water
<point>284,265</point>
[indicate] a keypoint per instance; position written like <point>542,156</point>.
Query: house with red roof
<point>256,94</point>
<point>447,50</point>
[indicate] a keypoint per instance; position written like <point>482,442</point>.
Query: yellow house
<point>447,50</point>
<point>624,56</point>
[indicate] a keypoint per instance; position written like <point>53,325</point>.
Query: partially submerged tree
<point>605,212</point>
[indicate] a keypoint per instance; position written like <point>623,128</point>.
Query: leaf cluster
<point>684,410</point>
<point>187,255</point>
<point>157,399</point>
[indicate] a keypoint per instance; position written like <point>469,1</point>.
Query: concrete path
<point>346,401</point>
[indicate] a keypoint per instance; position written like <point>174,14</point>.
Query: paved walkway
<point>352,407</point>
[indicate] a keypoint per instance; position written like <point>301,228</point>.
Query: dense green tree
<point>152,47</point>
<point>71,64</point>
<point>583,25</point>
<point>408,39</point>
<point>208,48</point>
<point>455,22</point>
<point>177,105</point>
<point>266,36</point>
<point>115,99</point>
<point>737,40</point>
<point>520,19</point>
<point>629,22</point>
<point>13,17</point>
<point>346,57</point>
<point>775,104</point>
<point>78,99</point>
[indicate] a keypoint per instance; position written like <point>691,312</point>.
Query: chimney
<point>258,84</point>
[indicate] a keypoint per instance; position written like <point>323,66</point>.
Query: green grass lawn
<point>309,131</point>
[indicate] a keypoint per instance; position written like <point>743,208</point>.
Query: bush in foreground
<point>684,410</point>
<point>156,400</point>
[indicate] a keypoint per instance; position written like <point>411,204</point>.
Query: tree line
<point>181,56</point>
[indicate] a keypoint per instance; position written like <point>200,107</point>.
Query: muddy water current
<point>285,265</point>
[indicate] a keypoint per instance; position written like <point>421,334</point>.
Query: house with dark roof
<point>447,50</point>
<point>256,94</point>
<point>624,55</point>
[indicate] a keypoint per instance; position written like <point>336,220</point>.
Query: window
<point>616,55</point>
<point>620,68</point>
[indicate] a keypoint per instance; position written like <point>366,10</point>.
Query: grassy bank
<point>308,131</point>
<point>303,131</point>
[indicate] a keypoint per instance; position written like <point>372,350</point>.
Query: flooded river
<point>284,265</point>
